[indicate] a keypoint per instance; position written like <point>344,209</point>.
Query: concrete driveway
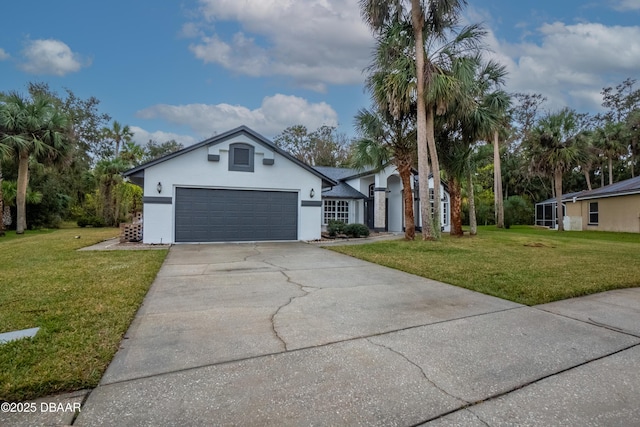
<point>292,334</point>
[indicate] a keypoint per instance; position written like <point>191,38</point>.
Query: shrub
<point>335,227</point>
<point>356,230</point>
<point>96,221</point>
<point>93,221</point>
<point>517,211</point>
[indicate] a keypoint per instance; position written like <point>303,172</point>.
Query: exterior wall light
<point>159,187</point>
<point>312,193</point>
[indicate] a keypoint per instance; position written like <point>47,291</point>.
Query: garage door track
<point>292,334</point>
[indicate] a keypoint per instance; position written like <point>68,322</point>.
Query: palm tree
<point>554,148</point>
<point>489,119</point>
<point>132,154</point>
<point>633,127</point>
<point>119,134</point>
<point>440,16</point>
<point>479,114</point>
<point>108,174</point>
<point>32,128</point>
<point>382,139</point>
<point>610,139</point>
<point>5,149</point>
<point>591,156</point>
<point>388,132</point>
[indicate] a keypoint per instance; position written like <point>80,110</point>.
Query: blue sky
<point>190,69</point>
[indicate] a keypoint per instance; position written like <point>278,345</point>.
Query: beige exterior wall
<point>620,213</point>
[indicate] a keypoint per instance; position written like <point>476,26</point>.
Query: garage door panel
<point>217,215</point>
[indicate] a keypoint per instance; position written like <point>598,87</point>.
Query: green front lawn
<point>83,303</point>
<point>523,264</point>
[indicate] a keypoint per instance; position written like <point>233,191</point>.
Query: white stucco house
<point>238,186</point>
<point>374,197</point>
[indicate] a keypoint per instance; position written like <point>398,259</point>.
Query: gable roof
<point>622,188</point>
<point>217,139</point>
<point>337,174</point>
<point>565,197</point>
<point>344,190</point>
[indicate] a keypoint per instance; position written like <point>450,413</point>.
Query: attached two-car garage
<point>233,187</point>
<point>223,215</point>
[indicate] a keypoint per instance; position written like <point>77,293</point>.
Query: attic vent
<point>241,157</point>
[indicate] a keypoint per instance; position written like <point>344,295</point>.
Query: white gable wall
<point>193,169</point>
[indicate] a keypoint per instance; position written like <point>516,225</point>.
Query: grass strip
<point>83,301</point>
<point>527,265</point>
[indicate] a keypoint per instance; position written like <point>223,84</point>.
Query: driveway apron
<point>292,334</point>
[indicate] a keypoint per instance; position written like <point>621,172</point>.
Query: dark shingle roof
<point>565,197</point>
<point>343,191</point>
<point>339,174</point>
<point>628,186</point>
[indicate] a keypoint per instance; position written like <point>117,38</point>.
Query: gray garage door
<point>212,215</point>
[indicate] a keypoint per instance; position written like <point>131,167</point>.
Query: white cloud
<point>570,64</point>
<point>625,5</point>
<point>274,115</point>
<point>4,55</point>
<point>141,137</point>
<point>50,57</point>
<point>316,42</point>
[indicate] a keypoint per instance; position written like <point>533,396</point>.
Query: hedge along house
<point>614,207</point>
<point>374,198</point>
<point>236,186</point>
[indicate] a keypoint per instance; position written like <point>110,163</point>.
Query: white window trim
<point>591,212</point>
<point>335,213</point>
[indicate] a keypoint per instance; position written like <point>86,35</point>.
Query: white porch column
<point>380,200</point>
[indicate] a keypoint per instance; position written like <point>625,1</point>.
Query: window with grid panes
<point>593,213</point>
<point>336,210</point>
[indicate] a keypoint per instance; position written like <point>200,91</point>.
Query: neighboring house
<point>237,186</point>
<point>614,207</point>
<point>374,198</point>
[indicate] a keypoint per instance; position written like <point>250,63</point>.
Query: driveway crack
<point>273,324</point>
<point>273,317</point>
<point>254,248</point>
<point>424,374</point>
<point>478,417</point>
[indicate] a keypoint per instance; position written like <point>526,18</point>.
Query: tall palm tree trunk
<point>21,194</point>
<point>557,178</point>
<point>634,147</point>
<point>417,20</point>
<point>455,195</point>
<point>409,221</point>
<point>610,170</point>
<point>435,168</point>
<point>497,182</point>
<point>587,176</point>
<point>473,222</point>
